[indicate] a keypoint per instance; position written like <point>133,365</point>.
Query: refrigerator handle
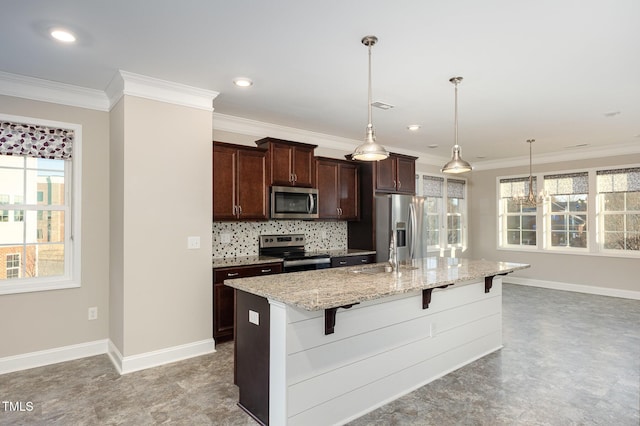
<point>412,231</point>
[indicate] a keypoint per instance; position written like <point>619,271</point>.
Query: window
<point>518,222</point>
<point>455,208</point>
<point>566,217</point>
<point>445,212</point>
<point>13,266</point>
<point>39,169</point>
<point>619,209</point>
<point>433,192</point>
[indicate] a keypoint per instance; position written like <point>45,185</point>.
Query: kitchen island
<point>327,346</point>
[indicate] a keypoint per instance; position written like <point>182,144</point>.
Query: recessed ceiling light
<point>63,35</point>
<point>243,82</point>
<point>480,157</point>
<point>413,127</point>
<point>433,145</point>
<point>579,145</point>
<point>611,113</point>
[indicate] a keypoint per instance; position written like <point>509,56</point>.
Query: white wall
<point>166,196</point>
<point>51,319</point>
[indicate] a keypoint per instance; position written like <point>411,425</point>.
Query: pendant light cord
<point>370,124</point>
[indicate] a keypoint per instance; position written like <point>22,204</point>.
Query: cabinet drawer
<point>221,274</point>
<point>337,262</point>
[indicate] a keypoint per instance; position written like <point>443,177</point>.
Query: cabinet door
<point>281,164</point>
<point>349,196</point>
<point>303,166</point>
<point>252,184</point>
<point>406,171</point>
<point>386,174</point>
<point>223,312</point>
<point>224,182</point>
<point>327,184</point>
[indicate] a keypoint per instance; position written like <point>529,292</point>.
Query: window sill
<point>30,286</point>
<point>576,252</point>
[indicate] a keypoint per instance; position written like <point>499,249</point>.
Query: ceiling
<point>564,72</point>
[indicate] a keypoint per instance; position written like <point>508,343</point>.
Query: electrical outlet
<point>324,235</point>
<point>93,313</point>
<point>193,243</point>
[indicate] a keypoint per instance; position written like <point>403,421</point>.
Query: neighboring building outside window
<point>38,167</point>
<point>619,209</point>
<point>4,214</point>
<point>13,266</point>
<point>566,218</point>
<point>517,222</point>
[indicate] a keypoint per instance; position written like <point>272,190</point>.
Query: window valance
<point>31,140</point>
<point>455,188</point>
<point>620,180</point>
<point>567,184</point>
<point>510,187</point>
<point>432,186</point>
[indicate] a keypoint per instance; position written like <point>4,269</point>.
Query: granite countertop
<point>330,288</point>
<point>219,262</point>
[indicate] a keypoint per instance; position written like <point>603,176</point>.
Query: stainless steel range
<point>291,248</point>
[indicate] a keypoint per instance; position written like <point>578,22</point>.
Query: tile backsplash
<point>243,236</point>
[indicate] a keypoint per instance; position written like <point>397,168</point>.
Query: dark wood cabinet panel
<point>223,302</point>
<point>240,188</point>
<point>338,189</point>
<point>291,163</point>
<point>337,262</point>
<point>396,174</point>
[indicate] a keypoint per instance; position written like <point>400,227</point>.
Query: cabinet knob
<point>343,262</point>
<point>363,260</point>
<point>295,177</point>
<point>264,271</point>
<point>239,210</point>
<point>399,184</point>
<point>232,274</point>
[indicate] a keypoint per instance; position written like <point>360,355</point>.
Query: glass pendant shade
<point>457,164</point>
<point>370,150</point>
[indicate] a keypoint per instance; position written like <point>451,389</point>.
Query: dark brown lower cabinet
<point>223,305</point>
<point>339,261</point>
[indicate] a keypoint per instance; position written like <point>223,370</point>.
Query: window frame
<point>72,239</point>
<point>594,215</point>
<point>504,214</point>
<point>443,214</point>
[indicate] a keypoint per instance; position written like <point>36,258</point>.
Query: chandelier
<point>370,150</point>
<point>529,200</point>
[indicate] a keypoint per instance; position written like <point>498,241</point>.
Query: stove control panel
<point>288,240</point>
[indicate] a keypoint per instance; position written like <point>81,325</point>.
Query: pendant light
<point>530,200</point>
<point>457,164</point>
<point>370,150</point>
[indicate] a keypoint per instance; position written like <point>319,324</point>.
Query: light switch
<point>254,317</point>
<point>193,243</point>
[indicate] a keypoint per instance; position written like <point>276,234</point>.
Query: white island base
<point>380,350</point>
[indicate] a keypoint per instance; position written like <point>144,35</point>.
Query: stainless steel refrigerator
<point>404,216</point>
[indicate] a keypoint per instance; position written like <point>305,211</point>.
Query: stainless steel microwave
<point>294,203</point>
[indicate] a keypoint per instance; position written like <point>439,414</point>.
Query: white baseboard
<point>578,288</point>
<point>124,365</point>
<point>129,364</point>
<point>52,356</point>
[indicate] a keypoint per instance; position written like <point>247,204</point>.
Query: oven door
<point>294,203</point>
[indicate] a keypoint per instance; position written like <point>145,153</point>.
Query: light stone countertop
<point>219,262</point>
<point>330,288</point>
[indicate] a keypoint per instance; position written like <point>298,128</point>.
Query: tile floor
<point>568,359</point>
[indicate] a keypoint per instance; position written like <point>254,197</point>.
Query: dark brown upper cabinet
<point>338,189</point>
<point>240,188</point>
<point>291,163</point>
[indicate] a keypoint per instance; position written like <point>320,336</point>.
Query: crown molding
<point>38,89</point>
<point>260,129</point>
<point>128,83</point>
<point>558,157</point>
